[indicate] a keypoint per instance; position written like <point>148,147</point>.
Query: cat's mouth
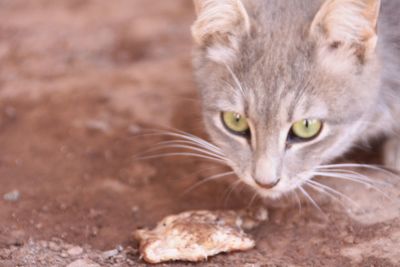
<point>273,192</point>
<point>283,187</point>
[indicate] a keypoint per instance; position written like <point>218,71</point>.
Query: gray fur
<point>278,70</point>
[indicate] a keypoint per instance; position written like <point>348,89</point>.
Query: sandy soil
<point>80,82</point>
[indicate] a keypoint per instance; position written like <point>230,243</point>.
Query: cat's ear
<point>349,25</point>
<point>219,24</point>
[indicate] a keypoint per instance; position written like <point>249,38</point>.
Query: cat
<point>288,86</point>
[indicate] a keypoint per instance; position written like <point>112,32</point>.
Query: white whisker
<point>205,180</point>
<point>355,175</point>
<point>192,148</point>
<point>348,177</point>
<point>360,166</point>
<point>182,154</point>
<point>321,190</point>
<point>327,189</point>
<point>236,79</point>
<point>353,179</point>
<point>231,189</point>
<point>255,195</point>
<point>311,199</point>
<point>199,140</point>
<point>189,143</point>
<point>188,137</point>
<point>298,199</point>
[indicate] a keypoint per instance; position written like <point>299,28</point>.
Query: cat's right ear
<point>219,26</point>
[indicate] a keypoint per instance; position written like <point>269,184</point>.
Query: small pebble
<point>98,125</point>
<point>54,247</point>
<point>327,251</point>
<point>130,262</point>
<point>75,251</point>
<point>112,253</point>
<point>83,263</point>
<point>43,244</point>
<point>134,129</point>
<point>16,238</point>
<point>349,239</point>
<point>5,254</point>
<point>135,209</point>
<point>94,231</point>
<point>45,208</point>
<point>12,196</point>
<point>261,214</point>
<point>64,255</point>
<point>94,213</point>
<point>252,265</point>
<point>10,112</point>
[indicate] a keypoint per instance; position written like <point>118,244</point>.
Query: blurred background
<point>79,79</point>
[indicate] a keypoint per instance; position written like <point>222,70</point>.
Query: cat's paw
<point>391,153</point>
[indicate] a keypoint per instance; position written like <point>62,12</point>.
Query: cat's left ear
<point>349,25</point>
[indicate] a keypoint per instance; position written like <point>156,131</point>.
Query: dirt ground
<point>81,81</point>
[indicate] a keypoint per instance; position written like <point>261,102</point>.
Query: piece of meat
<point>196,235</point>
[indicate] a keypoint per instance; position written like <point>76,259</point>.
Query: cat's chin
<point>264,193</point>
<point>277,192</point>
<point>269,194</point>
<point>273,193</point>
<point>284,187</point>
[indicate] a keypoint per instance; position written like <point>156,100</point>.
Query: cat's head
<point>286,85</point>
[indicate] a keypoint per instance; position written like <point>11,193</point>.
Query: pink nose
<point>268,185</point>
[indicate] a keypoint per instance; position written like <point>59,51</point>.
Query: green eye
<point>235,122</point>
<point>306,129</point>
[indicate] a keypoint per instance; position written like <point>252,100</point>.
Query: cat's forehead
<point>270,82</point>
<point>278,45</point>
<point>284,59</point>
<point>285,105</point>
<point>269,98</point>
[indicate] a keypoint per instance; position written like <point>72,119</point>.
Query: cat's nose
<point>268,184</point>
